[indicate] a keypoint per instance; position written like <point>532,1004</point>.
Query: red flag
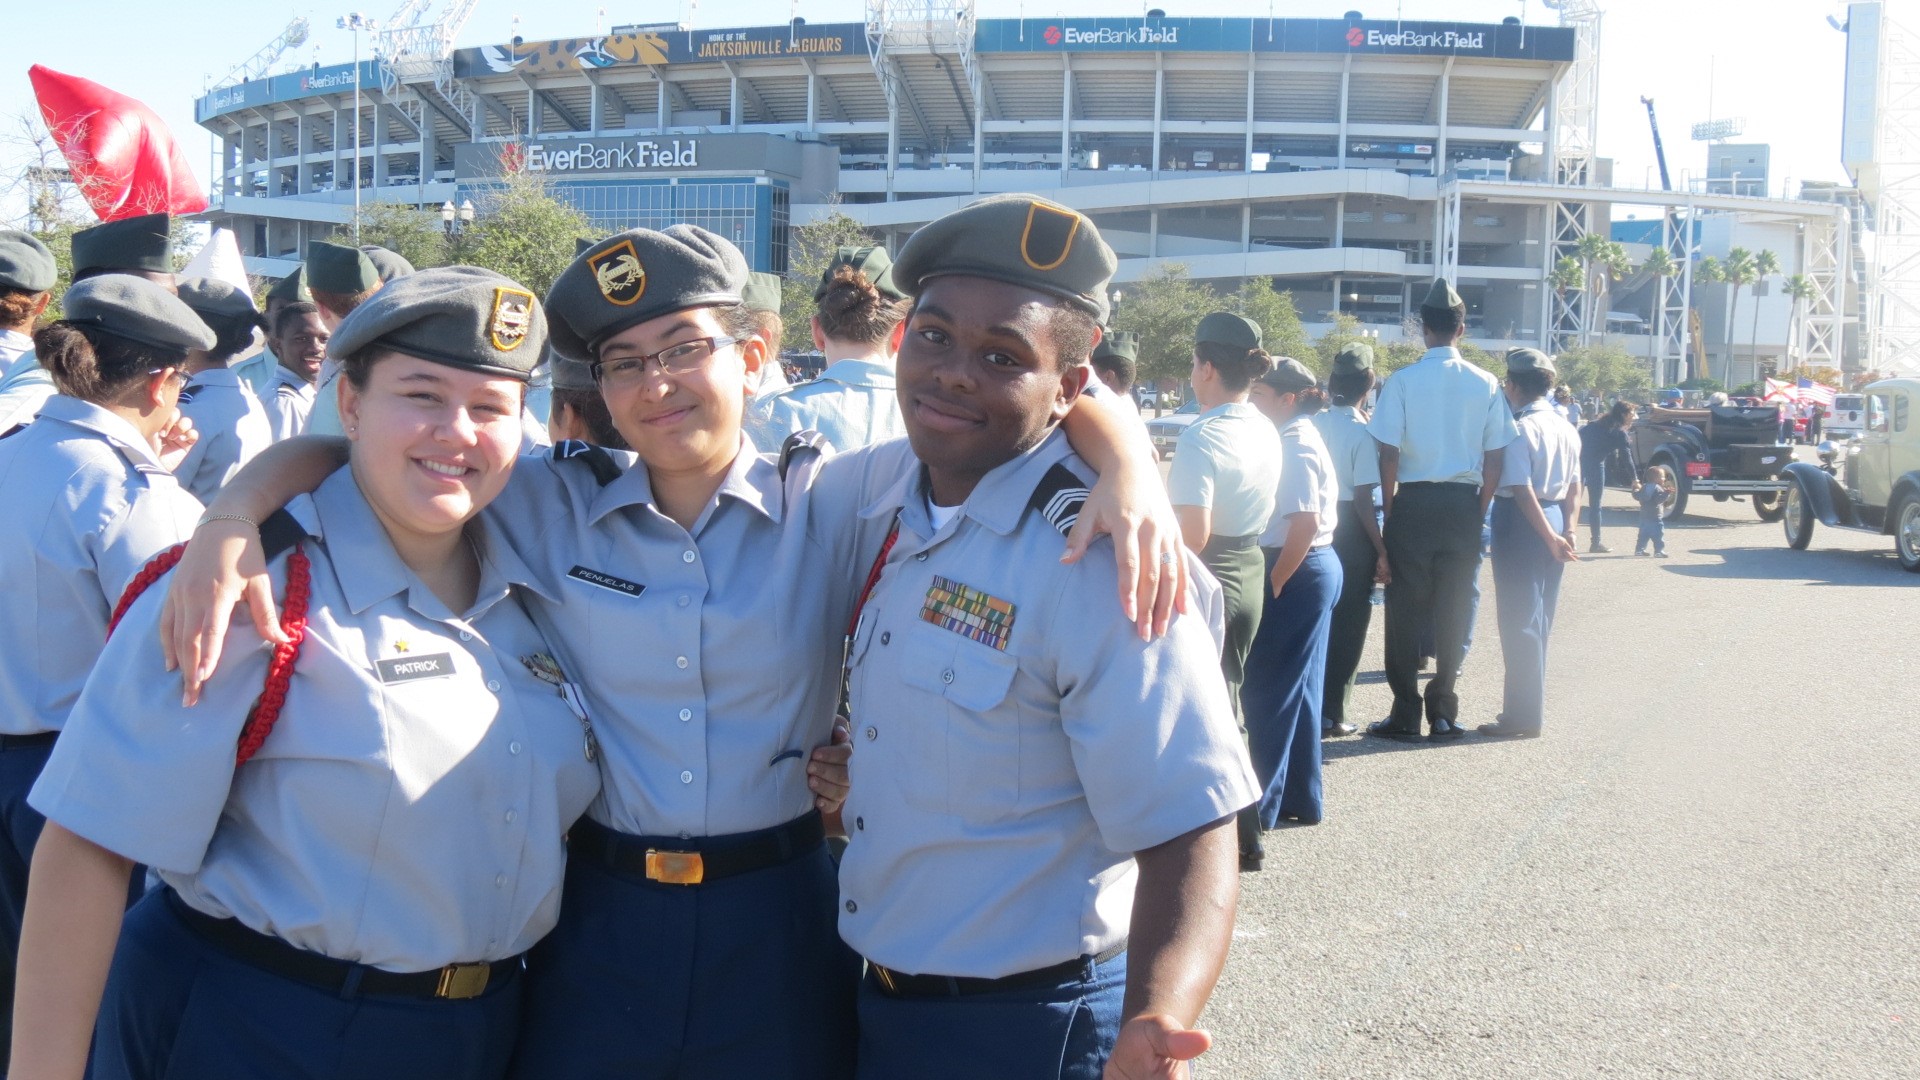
<point>121,155</point>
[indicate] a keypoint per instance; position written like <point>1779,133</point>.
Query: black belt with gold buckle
<point>901,985</point>
<point>455,982</point>
<point>697,860</point>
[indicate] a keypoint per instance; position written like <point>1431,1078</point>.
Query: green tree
<point>521,229</point>
<point>1602,261</point>
<point>1660,266</point>
<point>1603,369</point>
<point>1279,319</point>
<point>1800,289</point>
<point>1737,272</point>
<point>1163,309</point>
<point>1765,265</point>
<point>415,235</point>
<point>810,248</point>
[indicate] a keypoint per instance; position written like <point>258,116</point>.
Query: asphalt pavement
<point>1707,867</point>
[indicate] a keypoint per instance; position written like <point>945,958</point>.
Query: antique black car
<point>1871,483</point>
<point>1727,451</point>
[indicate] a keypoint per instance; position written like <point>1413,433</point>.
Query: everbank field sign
<point>1415,41</point>
<point>626,155</point>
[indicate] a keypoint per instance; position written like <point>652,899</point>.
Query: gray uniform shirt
<point>233,427</point>
<point>1356,457</point>
<point>1228,460</point>
<point>24,391</point>
<point>87,505</point>
<point>1544,455</point>
<point>1015,742</point>
<point>289,405</point>
<point>407,810</point>
<point>853,404</point>
<point>1444,415</point>
<point>256,373</point>
<point>1307,485</point>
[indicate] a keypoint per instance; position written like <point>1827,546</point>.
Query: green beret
<point>761,293</point>
<point>25,263</point>
<point>1289,376</point>
<point>570,374</point>
<point>388,264</point>
<point>1226,328</point>
<point>1121,343</point>
<point>1019,239</point>
<point>638,275</point>
<point>138,310</point>
<point>1353,358</point>
<point>874,262</point>
<point>1441,297</point>
<point>291,289</point>
<point>337,268</point>
<point>135,243</point>
<point>211,298</point>
<point>1529,360</point>
<point>461,316</point>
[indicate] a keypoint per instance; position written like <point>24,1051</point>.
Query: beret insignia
<point>619,274</point>
<point>1048,237</point>
<point>512,317</point>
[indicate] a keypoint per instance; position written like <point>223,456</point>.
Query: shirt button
<point>946,676</point>
<point>687,555</point>
<point>922,557</point>
<point>464,636</point>
<point>510,816</point>
<point>513,748</point>
<point>686,777</point>
<point>680,661</point>
<point>852,907</point>
<point>860,823</point>
<point>685,600</point>
<point>686,714</point>
<point>493,685</point>
<point>499,881</point>
<point>872,734</point>
<point>886,637</point>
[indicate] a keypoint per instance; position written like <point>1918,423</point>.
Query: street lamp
<point>1116,296</point>
<point>356,22</point>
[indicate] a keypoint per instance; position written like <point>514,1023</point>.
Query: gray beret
<point>638,275</point>
<point>461,316</point>
<point>1289,376</point>
<point>337,268</point>
<point>762,292</point>
<point>1226,328</point>
<point>388,264</point>
<point>138,310</point>
<point>1529,360</point>
<point>212,298</point>
<point>1353,357</point>
<point>874,262</point>
<point>1121,343</point>
<point>25,263</point>
<point>291,289</point>
<point>1441,297</point>
<point>570,374</point>
<point>1022,240</point>
<point>581,244</point>
<point>135,243</point>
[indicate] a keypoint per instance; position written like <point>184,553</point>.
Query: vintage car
<point>1871,483</point>
<point>1725,451</point>
<point>1165,431</point>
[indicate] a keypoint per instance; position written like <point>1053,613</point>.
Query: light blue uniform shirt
<point>1228,460</point>
<point>1544,455</point>
<point>1307,485</point>
<point>13,346</point>
<point>1443,414</point>
<point>24,392</point>
<point>87,505</point>
<point>290,404</point>
<point>407,810</point>
<point>256,373</point>
<point>1356,457</point>
<point>233,427</point>
<point>1003,780</point>
<point>853,404</point>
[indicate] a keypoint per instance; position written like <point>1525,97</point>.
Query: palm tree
<point>1765,265</point>
<point>1660,266</point>
<point>1737,271</point>
<point>1707,271</point>
<point>1567,275</point>
<point>1800,289</point>
<point>1601,261</point>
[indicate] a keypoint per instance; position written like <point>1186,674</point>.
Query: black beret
<point>1289,376</point>
<point>215,299</point>
<point>1354,356</point>
<point>1121,343</point>
<point>1226,328</point>
<point>1524,359</point>
<point>138,310</point>
<point>638,275</point>
<point>337,268</point>
<point>874,262</point>
<point>460,316</point>
<point>387,264</point>
<point>762,292</point>
<point>25,263</point>
<point>291,289</point>
<point>135,243</point>
<point>1441,297</point>
<point>1019,239</point>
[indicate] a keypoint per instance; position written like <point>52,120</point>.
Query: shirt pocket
<point>966,746</point>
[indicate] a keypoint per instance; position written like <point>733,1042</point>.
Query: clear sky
<point>1774,62</point>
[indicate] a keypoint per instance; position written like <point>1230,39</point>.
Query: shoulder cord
<point>853,625</point>
<point>265,711</point>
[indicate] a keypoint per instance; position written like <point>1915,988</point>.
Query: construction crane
<point>257,65</point>
<point>1659,151</point>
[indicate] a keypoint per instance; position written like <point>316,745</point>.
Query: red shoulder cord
<point>293,623</point>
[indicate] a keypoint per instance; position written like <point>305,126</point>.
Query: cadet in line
<point>1356,538</point>
<point>856,326</point>
<point>230,423</point>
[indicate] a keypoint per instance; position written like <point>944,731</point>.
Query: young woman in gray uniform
<point>230,422</point>
<point>702,591</point>
<point>359,830</point>
<point>89,499</point>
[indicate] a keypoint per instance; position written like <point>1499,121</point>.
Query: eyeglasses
<point>626,371</point>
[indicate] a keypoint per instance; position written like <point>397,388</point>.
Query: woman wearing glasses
<point>702,593</point>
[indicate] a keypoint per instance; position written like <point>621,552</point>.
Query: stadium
<point>1350,158</point>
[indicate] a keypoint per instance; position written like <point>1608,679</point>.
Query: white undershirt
<point>940,515</point>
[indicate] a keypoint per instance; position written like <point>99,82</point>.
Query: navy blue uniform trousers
<point>1526,590</point>
<point>1286,683</point>
<point>1433,549</point>
<point>20,827</point>
<point>178,1006</point>
<point>741,978</point>
<point>1352,612</point>
<point>1062,1032</point>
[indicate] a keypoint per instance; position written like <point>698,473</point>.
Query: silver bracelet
<point>208,519</point>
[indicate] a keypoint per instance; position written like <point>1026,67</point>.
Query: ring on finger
<point>1166,558</point>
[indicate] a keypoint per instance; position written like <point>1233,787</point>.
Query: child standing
<point>1650,495</point>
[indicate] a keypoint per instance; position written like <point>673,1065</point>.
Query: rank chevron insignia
<point>1060,497</point>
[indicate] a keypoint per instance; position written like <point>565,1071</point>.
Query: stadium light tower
<point>356,22</point>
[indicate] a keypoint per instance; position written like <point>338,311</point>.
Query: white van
<point>1846,418</point>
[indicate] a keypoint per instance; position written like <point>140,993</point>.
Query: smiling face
<point>301,345</point>
<point>689,422</point>
<point>432,444</point>
<point>981,378</point>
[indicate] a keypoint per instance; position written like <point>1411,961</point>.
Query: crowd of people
<point>467,684</point>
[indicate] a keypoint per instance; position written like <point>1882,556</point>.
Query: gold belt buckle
<point>458,982</point>
<point>676,867</point>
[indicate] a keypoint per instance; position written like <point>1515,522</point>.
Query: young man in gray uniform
<point>1042,865</point>
<point>1441,424</point>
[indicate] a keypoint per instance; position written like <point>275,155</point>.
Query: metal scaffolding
<point>1571,131</point>
<point>934,27</point>
<point>1890,185</point>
